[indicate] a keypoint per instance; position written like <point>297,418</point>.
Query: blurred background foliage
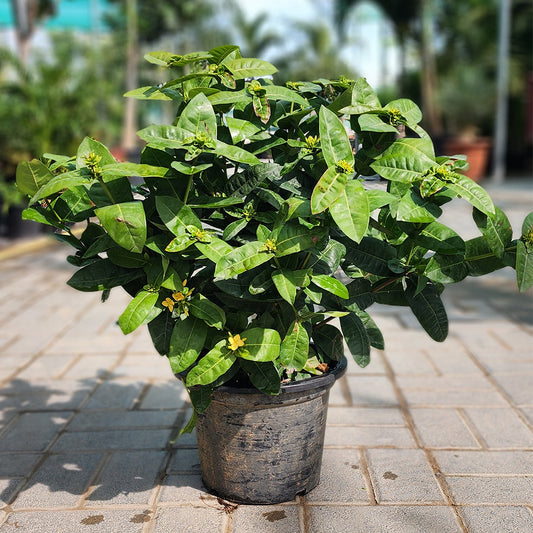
<point>60,81</point>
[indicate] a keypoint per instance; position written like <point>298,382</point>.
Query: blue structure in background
<point>83,15</point>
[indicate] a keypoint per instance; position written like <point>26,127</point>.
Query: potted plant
<point>252,248</point>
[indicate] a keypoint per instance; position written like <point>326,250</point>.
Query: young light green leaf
<point>140,310</point>
<point>350,211</point>
<point>31,176</point>
<point>287,281</point>
<point>330,284</point>
<point>215,249</point>
<point>473,193</point>
<point>241,259</point>
<point>198,117</point>
<point>294,238</point>
<point>212,365</point>
<point>261,344</point>
<point>176,215</point>
<point>125,223</point>
<point>295,347</point>
<point>334,139</point>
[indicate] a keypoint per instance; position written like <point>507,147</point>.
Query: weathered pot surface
<point>261,449</point>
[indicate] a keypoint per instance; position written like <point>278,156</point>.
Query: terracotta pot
<point>477,153</point>
<point>261,449</point>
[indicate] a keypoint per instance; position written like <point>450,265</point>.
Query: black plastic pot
<point>261,449</point>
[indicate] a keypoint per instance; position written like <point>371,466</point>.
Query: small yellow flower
<point>169,304</point>
<point>178,296</point>
<point>269,246</point>
<point>235,342</point>
<point>344,167</point>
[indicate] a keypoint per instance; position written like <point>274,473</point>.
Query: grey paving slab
<point>127,478</point>
<point>209,517</point>
<point>115,394</point>
<point>501,519</point>
<point>342,479</point>
<point>17,464</point>
<point>60,482</point>
<point>113,440</point>
<point>100,521</point>
<point>518,387</point>
<point>382,519</point>
<point>266,519</point>
<point>114,419</point>
<point>34,431</point>
<point>462,462</point>
<point>372,390</point>
<point>370,436</point>
<point>443,428</point>
<point>165,395</point>
<point>185,460</point>
<point>509,490</point>
<point>186,488</point>
<point>403,476</point>
<point>500,428</point>
<point>365,416</point>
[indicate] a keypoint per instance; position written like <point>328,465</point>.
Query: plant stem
<point>187,190</point>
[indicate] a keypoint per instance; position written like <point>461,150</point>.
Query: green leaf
<point>176,215</point>
<point>372,122</point>
<point>294,238</point>
<point>287,281</point>
<point>140,310</point>
<point>123,258</point>
<point>241,130</point>
<point>446,268</point>
<point>249,68</point>
<point>351,212</point>
<point>263,376</point>
<point>329,342</point>
<point>125,223</point>
<point>198,117</point>
<point>215,249</point>
<point>480,258</point>
<point>524,266</point>
<point>160,329</point>
<point>356,338</point>
<point>406,160</point>
<point>235,153</point>
<point>372,255</point>
<point>440,238</point>
<point>495,228</point>
<point>330,284</point>
<point>31,176</point>
<point>210,313</point>
<point>429,310</point>
<point>361,98</point>
<point>241,259</point>
<point>67,180</point>
<point>334,139</point>
<point>186,343</point>
<point>133,169</point>
<point>328,189</point>
<point>465,188</point>
<point>411,207</point>
<point>233,228</point>
<point>88,146</point>
<point>102,275</point>
<point>378,198</point>
<point>374,333</point>
<point>295,347</point>
<point>261,344</point>
<point>276,92</point>
<point>211,366</point>
<point>409,110</point>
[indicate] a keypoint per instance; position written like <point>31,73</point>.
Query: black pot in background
<point>261,449</point>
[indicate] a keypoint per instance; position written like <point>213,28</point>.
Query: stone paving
<point>429,438</point>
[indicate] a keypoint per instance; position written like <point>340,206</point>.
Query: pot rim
<point>312,382</point>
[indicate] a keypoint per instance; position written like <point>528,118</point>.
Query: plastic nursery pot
<point>260,449</point>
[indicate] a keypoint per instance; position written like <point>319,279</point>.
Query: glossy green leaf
<point>241,259</point>
<point>361,99</point>
<point>263,376</point>
<point>295,347</point>
<point>446,268</point>
<point>495,228</point>
<point>62,181</point>
<point>176,215</point>
<point>330,284</point>
<point>350,211</point>
<point>473,193</point>
<point>234,228</point>
<point>241,130</point>
<point>372,255</point>
<point>160,329</point>
<point>31,176</point>
<point>356,338</point>
<point>287,281</point>
<point>406,160</point>
<point>411,207</point>
<point>440,238</point>
<point>186,343</point>
<point>480,259</point>
<point>198,117</point>
<point>215,249</point>
<point>409,110</point>
<point>329,342</point>
<point>334,139</point>
<point>210,313</point>
<point>276,92</point>
<point>374,333</point>
<point>126,259</point>
<point>261,344</point>
<point>429,310</point>
<point>235,153</point>
<point>249,68</point>
<point>294,238</point>
<point>524,266</point>
<point>212,365</point>
<point>133,169</point>
<point>372,122</point>
<point>90,145</point>
<point>140,310</point>
<point>125,223</point>
<point>378,198</point>
<point>102,275</point>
